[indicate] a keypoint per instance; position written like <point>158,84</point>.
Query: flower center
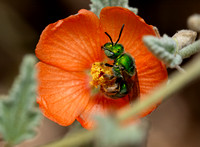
<point>101,74</point>
<point>103,77</point>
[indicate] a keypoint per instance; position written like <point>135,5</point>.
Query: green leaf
<point>97,5</point>
<point>190,50</point>
<point>111,133</point>
<point>18,115</point>
<point>165,49</point>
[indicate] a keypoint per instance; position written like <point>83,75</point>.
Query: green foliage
<point>18,117</point>
<point>111,133</point>
<point>165,49</point>
<point>97,5</point>
<point>190,49</point>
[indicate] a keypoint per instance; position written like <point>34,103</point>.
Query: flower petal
<point>73,43</point>
<point>100,105</point>
<point>112,19</point>
<point>62,95</point>
<point>151,73</point>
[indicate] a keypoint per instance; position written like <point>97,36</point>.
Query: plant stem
<point>181,70</point>
<point>75,139</point>
<point>110,3</point>
<point>8,145</point>
<point>190,49</point>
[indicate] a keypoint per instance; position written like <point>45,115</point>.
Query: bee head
<point>113,50</point>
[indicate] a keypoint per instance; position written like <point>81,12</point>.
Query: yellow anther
<point>100,73</point>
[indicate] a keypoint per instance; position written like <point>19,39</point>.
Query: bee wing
<point>133,87</point>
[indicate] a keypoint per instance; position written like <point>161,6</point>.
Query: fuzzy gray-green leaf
<point>19,117</point>
<point>97,5</point>
<point>165,49</point>
<point>111,133</point>
<point>189,50</point>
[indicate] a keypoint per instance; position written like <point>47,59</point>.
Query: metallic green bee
<point>125,73</point>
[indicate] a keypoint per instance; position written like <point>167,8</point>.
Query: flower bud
<point>184,38</point>
<point>193,22</point>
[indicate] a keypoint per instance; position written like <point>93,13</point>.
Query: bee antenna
<point>109,37</point>
<point>120,34</point>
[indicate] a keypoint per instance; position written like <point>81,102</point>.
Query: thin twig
<point>110,3</point>
<point>180,69</point>
<point>75,139</point>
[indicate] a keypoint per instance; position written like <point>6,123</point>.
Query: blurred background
<point>174,124</point>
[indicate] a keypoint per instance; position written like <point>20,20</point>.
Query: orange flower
<point>68,48</point>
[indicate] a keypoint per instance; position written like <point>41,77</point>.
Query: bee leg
<point>111,90</point>
<point>106,64</point>
<point>109,77</point>
<point>123,88</point>
<point>118,71</point>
